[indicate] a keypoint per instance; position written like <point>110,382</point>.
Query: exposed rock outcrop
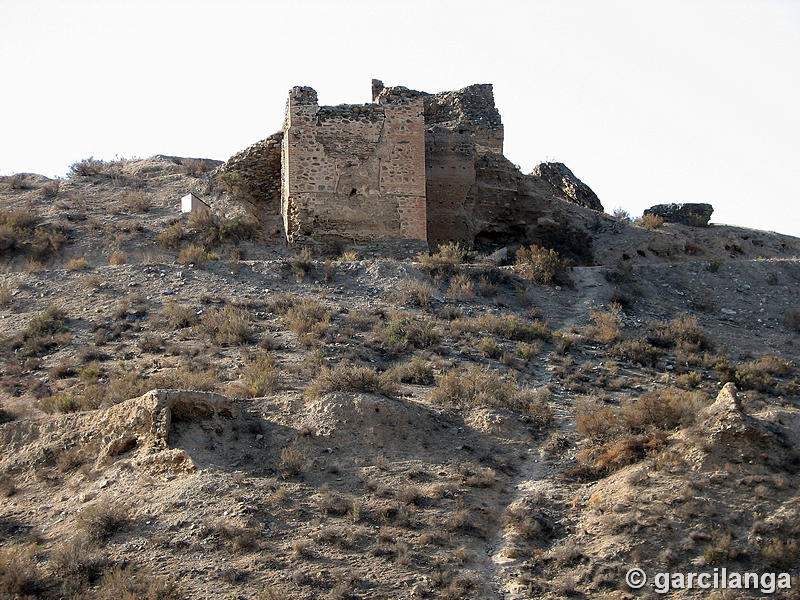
<point>693,214</point>
<point>258,169</point>
<point>138,428</point>
<point>566,186</point>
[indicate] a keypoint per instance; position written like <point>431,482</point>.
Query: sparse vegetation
<point>637,351</point>
<point>539,264</point>
<point>474,386</point>
<point>447,258</point>
<point>404,331</point>
<point>172,236</point>
<point>118,258</point>
<point>649,221</point>
<point>77,264</point>
<point>226,326</point>
<point>351,379</point>
<point>192,255</point>
<point>102,520</point>
<point>417,370</point>
<point>414,292</point>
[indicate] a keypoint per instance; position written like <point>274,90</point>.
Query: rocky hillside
<point>192,410</point>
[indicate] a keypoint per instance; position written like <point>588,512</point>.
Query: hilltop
<point>347,421</point>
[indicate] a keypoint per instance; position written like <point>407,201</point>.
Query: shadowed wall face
<point>355,172</point>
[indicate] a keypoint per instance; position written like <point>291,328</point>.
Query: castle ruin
<point>409,167</point>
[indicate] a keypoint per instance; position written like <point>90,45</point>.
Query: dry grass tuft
<point>474,386</point>
<point>447,258</point>
<point>414,292</point>
<point>192,255</point>
<point>260,375</point>
<point>351,379</point>
<point>606,328</point>
<point>404,331</point>
<point>417,370</point>
<point>461,288</point>
<point>102,520</point>
<point>77,264</point>
<point>172,236</point>
<point>118,258</point>
<point>539,264</point>
<point>649,221</point>
<point>227,326</point>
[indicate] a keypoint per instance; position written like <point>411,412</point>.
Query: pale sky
<point>647,102</point>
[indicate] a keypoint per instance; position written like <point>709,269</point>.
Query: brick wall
<point>353,172</point>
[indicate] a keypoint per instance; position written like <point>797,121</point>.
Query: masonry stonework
<point>411,168</point>
<point>353,172</point>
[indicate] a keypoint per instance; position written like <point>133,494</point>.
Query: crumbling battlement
<point>413,167</point>
<point>353,172</point>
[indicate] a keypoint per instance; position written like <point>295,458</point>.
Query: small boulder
<point>692,214</point>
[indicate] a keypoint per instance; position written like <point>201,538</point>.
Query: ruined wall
<point>354,172</point>
<point>255,176</point>
<point>460,126</point>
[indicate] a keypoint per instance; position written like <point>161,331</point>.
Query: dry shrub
<point>637,351</point>
<point>118,258</point>
<point>6,295</point>
<point>241,539</point>
<point>512,327</point>
<point>649,221</point>
<point>192,255</point>
<point>528,351</point>
<point>417,370</point>
<point>102,520</point>
<point>474,476</point>
<point>77,562</point>
<point>19,574</point>
<point>136,202</point>
<point>447,258</point>
<point>333,503</point>
<point>301,263</point>
<point>260,375</point>
<point>657,410</point>
<point>77,264</point>
<point>151,342</point>
<point>759,374</point>
<point>177,316</point>
<point>126,583</point>
<point>172,236</point>
<point>539,264</point>
<point>292,462</point>
<point>461,288</point>
<point>606,328</point>
<point>474,386</point>
<point>404,331</point>
<point>616,454</point>
<point>665,409</point>
<point>527,521</point>
<point>414,292</point>
<point>50,189</point>
<point>489,347</point>
<point>683,331</point>
<point>62,403</point>
<point>792,320</point>
<point>45,330</point>
<point>780,552</point>
<point>308,319</point>
<point>344,378</point>
<point>88,167</point>
<point>227,326</point>
<point>596,421</point>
